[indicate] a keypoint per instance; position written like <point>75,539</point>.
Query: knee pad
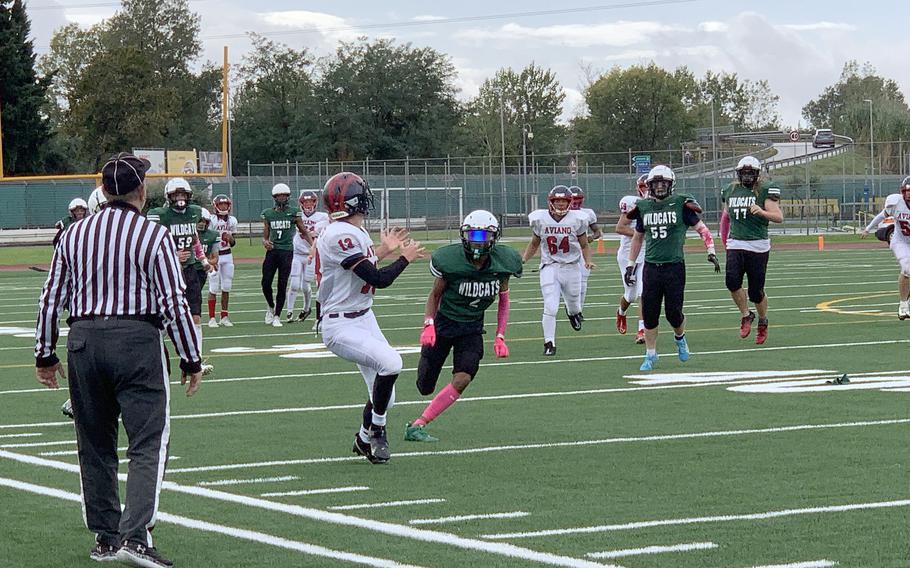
<point>551,307</point>
<point>391,363</point>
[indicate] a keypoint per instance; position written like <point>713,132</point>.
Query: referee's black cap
<point>123,173</point>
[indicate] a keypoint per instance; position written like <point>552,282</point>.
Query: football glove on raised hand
<point>712,258</point>
<point>500,347</point>
<point>629,276</point>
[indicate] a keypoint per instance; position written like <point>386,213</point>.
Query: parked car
<point>824,138</point>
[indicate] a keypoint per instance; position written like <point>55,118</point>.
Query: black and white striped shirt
<point>116,263</point>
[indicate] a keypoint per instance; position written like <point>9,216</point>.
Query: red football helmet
<point>905,189</point>
<point>222,205</point>
<point>308,200</point>
<point>559,194</point>
<point>578,197</point>
<point>347,194</point>
<point>643,185</point>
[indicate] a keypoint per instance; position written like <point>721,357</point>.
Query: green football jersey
<point>665,223</point>
<point>209,240</point>
<point>64,223</point>
<point>745,226</point>
<point>470,290</point>
<point>181,225</point>
<point>282,226</point>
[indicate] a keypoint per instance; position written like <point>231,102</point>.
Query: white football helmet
<point>281,193</point>
<point>206,216</point>
<point>96,201</point>
<point>171,189</point>
<point>479,233</point>
<point>660,182</point>
<point>748,170</point>
<point>78,202</point>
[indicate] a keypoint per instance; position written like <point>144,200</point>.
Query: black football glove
<point>629,276</point>
<point>712,258</point>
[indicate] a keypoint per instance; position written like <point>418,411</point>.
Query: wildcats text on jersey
<point>278,224</point>
<point>660,218</point>
<point>479,289</point>
<point>741,201</point>
<point>183,229</point>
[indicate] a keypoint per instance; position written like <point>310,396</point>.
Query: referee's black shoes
<point>104,552</point>
<point>138,554</point>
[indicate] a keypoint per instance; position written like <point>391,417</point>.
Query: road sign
<point>794,136</point>
<point>642,163</point>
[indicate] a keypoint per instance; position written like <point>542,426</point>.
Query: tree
<point>743,104</point>
<point>382,100</point>
<point>531,100</point>
<point>641,107</point>
<point>274,105</point>
<point>26,130</point>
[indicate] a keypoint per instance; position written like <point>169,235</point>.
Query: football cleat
<point>362,448</point>
<point>413,433</point>
<point>549,349</point>
<point>207,369</point>
<point>574,321</point>
<point>682,349</point>
<point>903,312</point>
<point>621,323</point>
<point>225,322</point>
<point>289,318</point>
<point>745,325</point>
<point>276,322</point>
<point>379,444</point>
<point>762,334</point>
<point>640,337</point>
<point>103,552</point>
<point>581,317</point>
<point>67,409</point>
<point>648,363</point>
<point>138,554</point>
<point>269,316</point>
<point>304,314</point>
<point>213,323</point>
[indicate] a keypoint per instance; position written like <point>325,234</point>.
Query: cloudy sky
<point>799,47</point>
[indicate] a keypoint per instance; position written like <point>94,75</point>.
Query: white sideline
<point>220,482</point>
<point>253,536</point>
<point>574,444</point>
<point>459,518</point>
<point>686,547</point>
<point>316,491</point>
<point>701,520</point>
<point>809,564</point>
<point>392,529</point>
<point>386,504</point>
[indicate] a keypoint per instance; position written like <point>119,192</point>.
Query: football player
<point>96,200</point>
<point>469,276</point>
<point>205,249</point>
<point>750,203</point>
<point>303,269</point>
<point>182,218</point>
<point>563,232</point>
<point>78,209</point>
<point>661,220</point>
<point>348,277</point>
<point>222,280</point>
<point>897,207</point>
<point>594,233</point>
<point>279,223</point>
<point>625,229</point>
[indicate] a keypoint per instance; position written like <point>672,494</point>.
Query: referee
<point>118,275</point>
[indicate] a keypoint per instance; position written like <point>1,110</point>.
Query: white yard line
<point>686,547</point>
<point>809,564</point>
<point>460,518</point>
<point>386,504</point>
<point>38,444</point>
<point>224,482</point>
<point>392,529</point>
<point>22,435</point>
<point>243,534</point>
<point>702,520</point>
<point>550,445</point>
<point>316,491</point>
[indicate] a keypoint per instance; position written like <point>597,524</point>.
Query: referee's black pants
<point>119,368</point>
<point>276,261</point>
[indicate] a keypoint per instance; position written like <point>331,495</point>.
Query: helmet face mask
<point>308,201</point>
<point>222,205</point>
<point>578,197</point>
<point>479,233</point>
<point>346,194</point>
<point>281,194</point>
<point>559,200</point>
<point>178,193</point>
<point>660,182</point>
<point>748,171</point>
<point>78,209</point>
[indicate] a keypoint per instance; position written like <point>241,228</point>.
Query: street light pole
<point>526,134</point>
<point>871,148</point>
<point>502,134</point>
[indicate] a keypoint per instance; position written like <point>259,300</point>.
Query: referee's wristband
<point>191,367</point>
<point>50,361</point>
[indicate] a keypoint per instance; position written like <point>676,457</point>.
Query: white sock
<point>378,419</point>
<point>651,352</point>
<point>549,329</point>
<point>620,311</point>
<point>199,329</point>
<point>307,297</point>
<point>905,303</point>
<point>364,435</point>
<point>641,325</point>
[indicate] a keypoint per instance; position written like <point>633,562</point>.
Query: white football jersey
<point>558,239</point>
<point>341,246</point>
<point>224,225</point>
<point>896,208</point>
<point>590,218</point>
<point>626,204</point>
<point>314,223</point>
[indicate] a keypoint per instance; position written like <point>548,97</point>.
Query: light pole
<point>502,134</point>
<point>871,148</point>
<point>526,134</point>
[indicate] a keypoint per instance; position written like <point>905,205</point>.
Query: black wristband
<point>191,367</point>
<point>49,361</point>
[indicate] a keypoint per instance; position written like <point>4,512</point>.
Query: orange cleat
<point>620,323</point>
<point>745,326</point>
<point>640,337</point>
<point>762,334</point>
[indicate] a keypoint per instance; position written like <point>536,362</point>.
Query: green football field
<point>743,456</point>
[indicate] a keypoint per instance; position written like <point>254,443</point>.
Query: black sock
<point>762,321</point>
<point>382,392</point>
<point>368,415</point>
<point>678,337</point>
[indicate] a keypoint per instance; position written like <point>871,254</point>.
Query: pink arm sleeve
<point>502,314</point>
<point>198,252</point>
<point>724,227</point>
<point>705,234</point>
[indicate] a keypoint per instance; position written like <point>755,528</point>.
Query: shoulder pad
<point>893,199</point>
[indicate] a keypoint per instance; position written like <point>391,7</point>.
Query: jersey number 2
<point>555,248</point>
<point>345,244</point>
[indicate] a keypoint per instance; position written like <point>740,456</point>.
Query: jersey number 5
<point>555,248</point>
<point>658,232</point>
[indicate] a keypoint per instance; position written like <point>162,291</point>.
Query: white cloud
<point>820,26</point>
<point>332,28</point>
<point>712,27</point>
<point>427,18</point>
<point>614,34</point>
<point>87,19</point>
